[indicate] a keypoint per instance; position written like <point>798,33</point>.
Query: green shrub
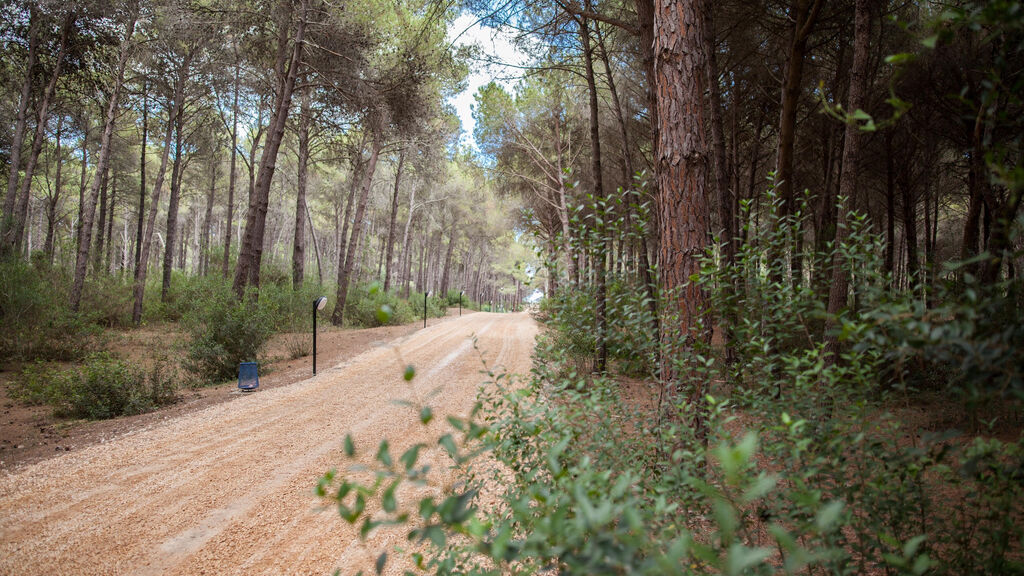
<point>225,332</point>
<point>102,387</point>
<point>293,309</point>
<point>366,302</point>
<point>34,314</point>
<point>802,472</point>
<point>108,300</point>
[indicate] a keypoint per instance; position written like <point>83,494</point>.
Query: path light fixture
<point>425,294</point>
<point>318,305</point>
<point>461,292</point>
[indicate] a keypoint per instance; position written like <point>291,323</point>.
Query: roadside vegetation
<point>780,246</point>
<point>68,360</point>
<point>211,169</point>
<point>803,394</point>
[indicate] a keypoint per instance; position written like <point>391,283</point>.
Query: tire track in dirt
<point>228,490</point>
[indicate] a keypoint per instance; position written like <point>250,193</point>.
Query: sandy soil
<point>29,434</point>
<point>227,489</point>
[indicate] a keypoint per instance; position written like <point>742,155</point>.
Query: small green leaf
<point>381,561</point>
<point>366,528</point>
<point>449,445</point>
<point>901,58</point>
<point>387,500</point>
<point>436,535</point>
<point>384,314</point>
<point>426,415</point>
<point>930,41</point>
<point>410,456</point>
<point>350,447</point>
<point>410,373</point>
<point>740,558</point>
<point>828,515</point>
<point>383,454</point>
<point>859,114</point>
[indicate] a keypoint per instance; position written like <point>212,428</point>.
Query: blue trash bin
<point>248,376</point>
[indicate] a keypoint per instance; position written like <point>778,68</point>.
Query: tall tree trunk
<point>890,206</point>
<point>13,234</point>
<point>204,239</point>
<point>232,178</point>
<point>636,228</point>
<point>682,165</point>
<point>299,240</point>
<point>18,138</point>
<point>563,207</point>
<point>316,247</point>
<point>389,252</point>
<point>452,237</point>
<point>176,176</point>
<point>110,224</point>
<point>142,171</point>
<point>848,177</point>
<point>357,226</point>
<point>910,231</point>
<point>406,258</point>
<point>247,271</point>
<point>803,15</point>
<point>97,257</point>
<point>139,285</point>
<point>88,211</point>
<point>645,27</point>
<point>601,204</point>
<point>727,220</point>
<point>58,185</point>
<point>929,247</point>
<point>342,244</point>
<point>83,180</point>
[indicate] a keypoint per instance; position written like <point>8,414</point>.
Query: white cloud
<point>500,62</point>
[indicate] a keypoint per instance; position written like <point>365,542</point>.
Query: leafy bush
<point>365,303</point>
<point>107,300</point>
<point>37,323</point>
<point>103,387</point>
<point>293,309</point>
<point>802,473</point>
<point>631,338</point>
<point>973,340</point>
<point>583,488</point>
<point>225,332</point>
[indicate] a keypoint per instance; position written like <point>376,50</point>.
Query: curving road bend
<point>228,489</point>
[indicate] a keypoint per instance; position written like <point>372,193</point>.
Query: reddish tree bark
<point>682,168</point>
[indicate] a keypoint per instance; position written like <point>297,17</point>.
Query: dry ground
<point>29,434</point>
<point>226,487</point>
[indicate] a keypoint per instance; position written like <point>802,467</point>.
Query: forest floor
<point>29,434</point>
<point>228,488</point>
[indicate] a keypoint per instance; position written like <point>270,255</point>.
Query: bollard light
<point>425,294</point>
<point>461,292</point>
<point>318,305</point>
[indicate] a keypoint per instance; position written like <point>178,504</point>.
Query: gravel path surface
<point>228,489</point>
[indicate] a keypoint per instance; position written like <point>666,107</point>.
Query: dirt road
<point>228,489</point>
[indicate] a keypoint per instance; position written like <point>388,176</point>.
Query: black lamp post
<point>461,292</point>
<point>425,294</point>
<point>318,305</point>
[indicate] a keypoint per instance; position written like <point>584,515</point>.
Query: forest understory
<point>834,185</point>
